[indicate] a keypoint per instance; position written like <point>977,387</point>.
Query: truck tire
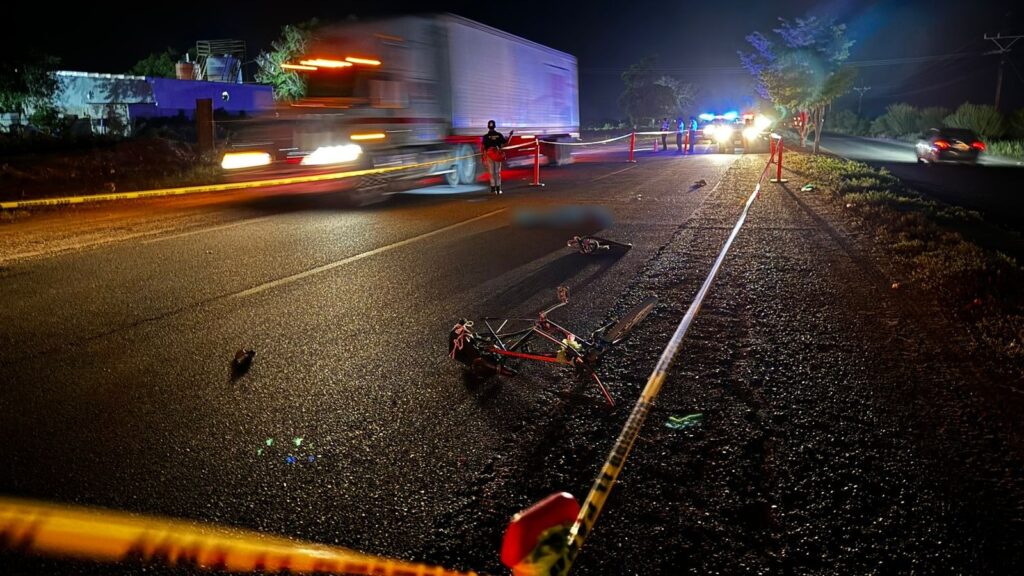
<point>466,165</point>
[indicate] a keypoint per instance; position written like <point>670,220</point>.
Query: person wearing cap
<point>493,141</point>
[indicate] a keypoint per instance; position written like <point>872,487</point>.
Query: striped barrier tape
<point>605,480</point>
<point>589,143</point>
<point>206,188</point>
<point>70,531</point>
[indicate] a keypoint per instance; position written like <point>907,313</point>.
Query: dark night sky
<point>696,41</point>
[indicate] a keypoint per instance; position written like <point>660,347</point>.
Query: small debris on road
<point>242,361</point>
<point>699,184</point>
<point>807,187</point>
<point>685,422</point>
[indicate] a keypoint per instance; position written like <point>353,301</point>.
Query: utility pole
<point>1003,44</point>
<point>860,96</point>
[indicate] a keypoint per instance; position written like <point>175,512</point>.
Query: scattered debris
<point>895,285</point>
<point>685,422</point>
<point>699,184</point>
<point>807,187</point>
<point>242,361</point>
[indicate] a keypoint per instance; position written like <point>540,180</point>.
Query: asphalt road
<point>992,188</point>
<point>353,427</point>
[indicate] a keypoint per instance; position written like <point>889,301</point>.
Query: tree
<point>27,80</point>
<point>803,70</point>
<point>294,40</point>
<point>157,64</point>
<point>647,97</point>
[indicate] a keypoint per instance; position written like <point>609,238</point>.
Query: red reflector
<point>941,144</point>
<point>979,145</point>
<point>526,527</point>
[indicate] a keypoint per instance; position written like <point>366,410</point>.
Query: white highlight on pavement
<point>614,173</point>
<point>350,259</point>
<point>203,230</point>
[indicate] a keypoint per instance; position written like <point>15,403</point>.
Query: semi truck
<point>412,94</point>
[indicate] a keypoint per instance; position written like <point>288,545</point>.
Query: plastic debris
<point>685,422</point>
<point>807,187</point>
<point>895,285</point>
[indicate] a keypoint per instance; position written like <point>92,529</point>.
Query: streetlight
<point>860,91</point>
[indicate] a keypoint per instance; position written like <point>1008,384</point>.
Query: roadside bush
<point>983,119</point>
<point>847,122</point>
<point>1016,124</point>
<point>1008,148</point>
<point>932,117</point>
<point>900,120</point>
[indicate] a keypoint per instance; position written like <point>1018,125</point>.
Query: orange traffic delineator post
<point>778,174</point>
<point>536,164</point>
<point>632,145</point>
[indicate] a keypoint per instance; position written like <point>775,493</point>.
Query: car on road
<point>949,145</point>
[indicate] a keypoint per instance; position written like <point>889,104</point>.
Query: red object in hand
<point>941,144</point>
<point>526,527</point>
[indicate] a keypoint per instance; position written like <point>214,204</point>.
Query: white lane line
<point>204,230</point>
<point>350,259</point>
<point>614,173</point>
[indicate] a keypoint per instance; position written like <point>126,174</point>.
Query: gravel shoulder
<point>850,427</point>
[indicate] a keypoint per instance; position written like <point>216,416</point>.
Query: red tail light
<point>941,145</point>
<point>979,145</point>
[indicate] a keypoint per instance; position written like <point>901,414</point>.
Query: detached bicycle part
<point>629,320</point>
<point>596,244</point>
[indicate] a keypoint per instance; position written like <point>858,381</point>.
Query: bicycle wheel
<point>629,320</point>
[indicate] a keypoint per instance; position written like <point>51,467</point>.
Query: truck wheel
<point>466,164</point>
<point>452,177</point>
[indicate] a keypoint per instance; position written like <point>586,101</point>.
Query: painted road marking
<point>204,230</point>
<point>614,173</point>
<point>350,259</point>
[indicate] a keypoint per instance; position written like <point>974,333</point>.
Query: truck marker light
<point>326,63</point>
<point>298,67</point>
<point>237,160</point>
<point>368,136</point>
<point>366,61</point>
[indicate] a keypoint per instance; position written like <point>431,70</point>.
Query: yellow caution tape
<point>67,200</point>
<point>41,528</point>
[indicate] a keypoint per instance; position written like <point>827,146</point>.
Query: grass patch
<point>1009,148</point>
<point>924,238</point>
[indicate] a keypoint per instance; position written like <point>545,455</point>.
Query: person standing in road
<point>664,136</point>
<point>680,128</point>
<point>693,133</point>
<point>493,142</point>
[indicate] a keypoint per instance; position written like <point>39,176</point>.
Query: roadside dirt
<point>849,427</point>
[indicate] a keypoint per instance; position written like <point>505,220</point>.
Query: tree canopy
<point>649,96</point>
<point>802,68</point>
<point>157,64</point>
<point>27,80</point>
<point>294,40</point>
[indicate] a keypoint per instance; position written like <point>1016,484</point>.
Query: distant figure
<point>493,142</point>
<point>693,133</point>
<point>680,128</point>
<point>664,136</point>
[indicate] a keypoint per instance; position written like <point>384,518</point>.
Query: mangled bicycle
<point>488,352</point>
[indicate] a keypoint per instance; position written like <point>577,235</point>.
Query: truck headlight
<point>709,131</point>
<point>332,155</point>
<point>238,160</point>
<point>723,134</point>
<point>751,132</point>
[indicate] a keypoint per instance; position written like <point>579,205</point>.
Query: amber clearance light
<point>364,61</point>
<point>368,136</point>
<point>325,63</point>
<point>297,67</point>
